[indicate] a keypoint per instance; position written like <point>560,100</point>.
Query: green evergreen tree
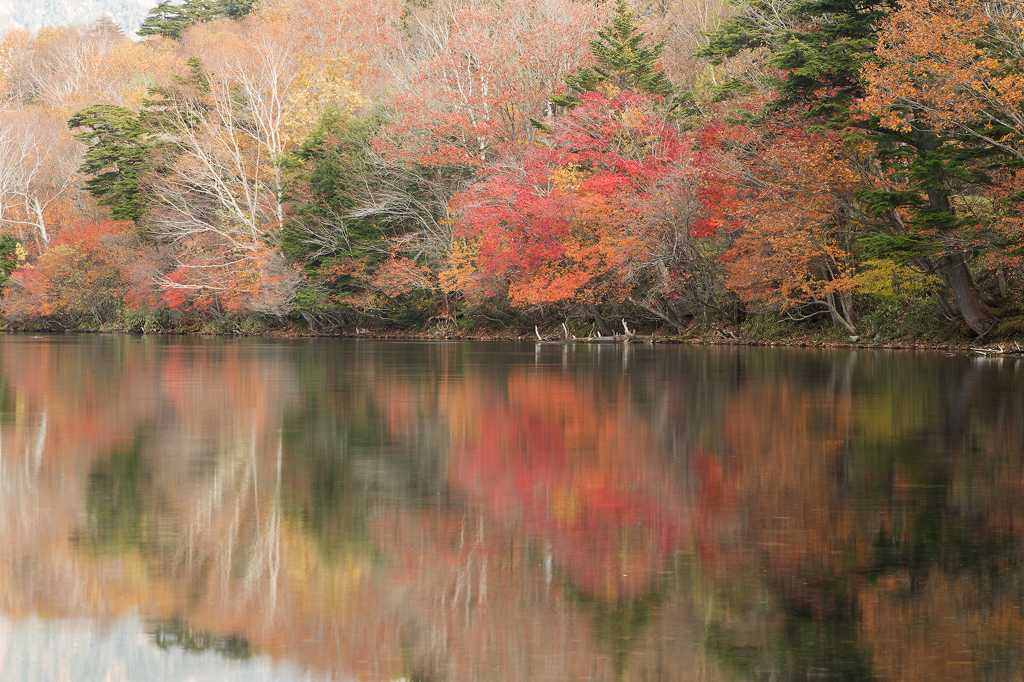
<point>328,183</point>
<point>186,99</point>
<point>125,145</point>
<point>236,9</point>
<point>117,157</point>
<point>625,60</point>
<point>170,19</point>
<point>167,19</point>
<point>11,257</point>
<point>818,46</point>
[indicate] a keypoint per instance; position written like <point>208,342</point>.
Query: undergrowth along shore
<point>755,332</point>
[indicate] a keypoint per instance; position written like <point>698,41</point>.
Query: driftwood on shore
<point>617,338</point>
<point>1000,349</point>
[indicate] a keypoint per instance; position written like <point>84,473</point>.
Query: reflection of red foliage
<point>715,507</point>
<point>577,477</point>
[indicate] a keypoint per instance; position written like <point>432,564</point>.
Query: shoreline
<point>978,349</point>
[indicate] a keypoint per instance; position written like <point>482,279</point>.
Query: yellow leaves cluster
<point>566,178</point>
<point>354,33</point>
<point>62,70</point>
<point>461,272</point>
<point>322,83</point>
<point>12,44</point>
<point>888,280</point>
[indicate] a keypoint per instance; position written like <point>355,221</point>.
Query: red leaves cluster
<point>569,219</point>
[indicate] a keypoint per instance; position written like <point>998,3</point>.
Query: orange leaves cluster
<point>955,64</point>
<point>795,243</point>
<point>84,274</point>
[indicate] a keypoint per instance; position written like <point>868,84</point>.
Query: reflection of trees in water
<point>561,520</point>
<point>179,499</point>
<point>947,572</point>
<point>169,634</point>
<point>195,508</point>
<point>862,504</point>
<point>24,442</point>
<point>114,503</point>
<point>390,510</point>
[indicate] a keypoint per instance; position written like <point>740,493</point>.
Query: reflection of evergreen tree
<point>171,634</point>
<point>939,536</point>
<point>929,545</point>
<point>326,492</point>
<point>620,623</point>
<point>115,504</point>
<point>342,460</point>
<point>805,648</point>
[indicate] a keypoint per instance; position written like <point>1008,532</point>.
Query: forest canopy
<point>475,167</point>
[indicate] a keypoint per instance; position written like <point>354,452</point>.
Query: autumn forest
<point>852,168</point>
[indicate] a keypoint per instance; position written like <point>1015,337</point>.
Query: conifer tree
<point>338,251</point>
<point>626,60</point>
<point>116,159</point>
<point>817,46</point>
<point>170,19</point>
<point>236,9</point>
<point>167,19</point>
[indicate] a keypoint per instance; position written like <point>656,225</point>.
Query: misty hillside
<point>34,14</point>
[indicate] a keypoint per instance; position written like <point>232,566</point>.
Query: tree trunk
<point>960,280</point>
<point>601,326</point>
<point>839,317</point>
<point>954,263</point>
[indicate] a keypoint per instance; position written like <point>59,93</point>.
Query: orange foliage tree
<point>955,65</point>
<point>967,85</point>
<point>799,218</point>
<point>83,275</point>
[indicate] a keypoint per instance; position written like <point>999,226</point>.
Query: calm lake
<point>221,509</point>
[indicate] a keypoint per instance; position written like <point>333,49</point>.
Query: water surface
<point>217,509</point>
